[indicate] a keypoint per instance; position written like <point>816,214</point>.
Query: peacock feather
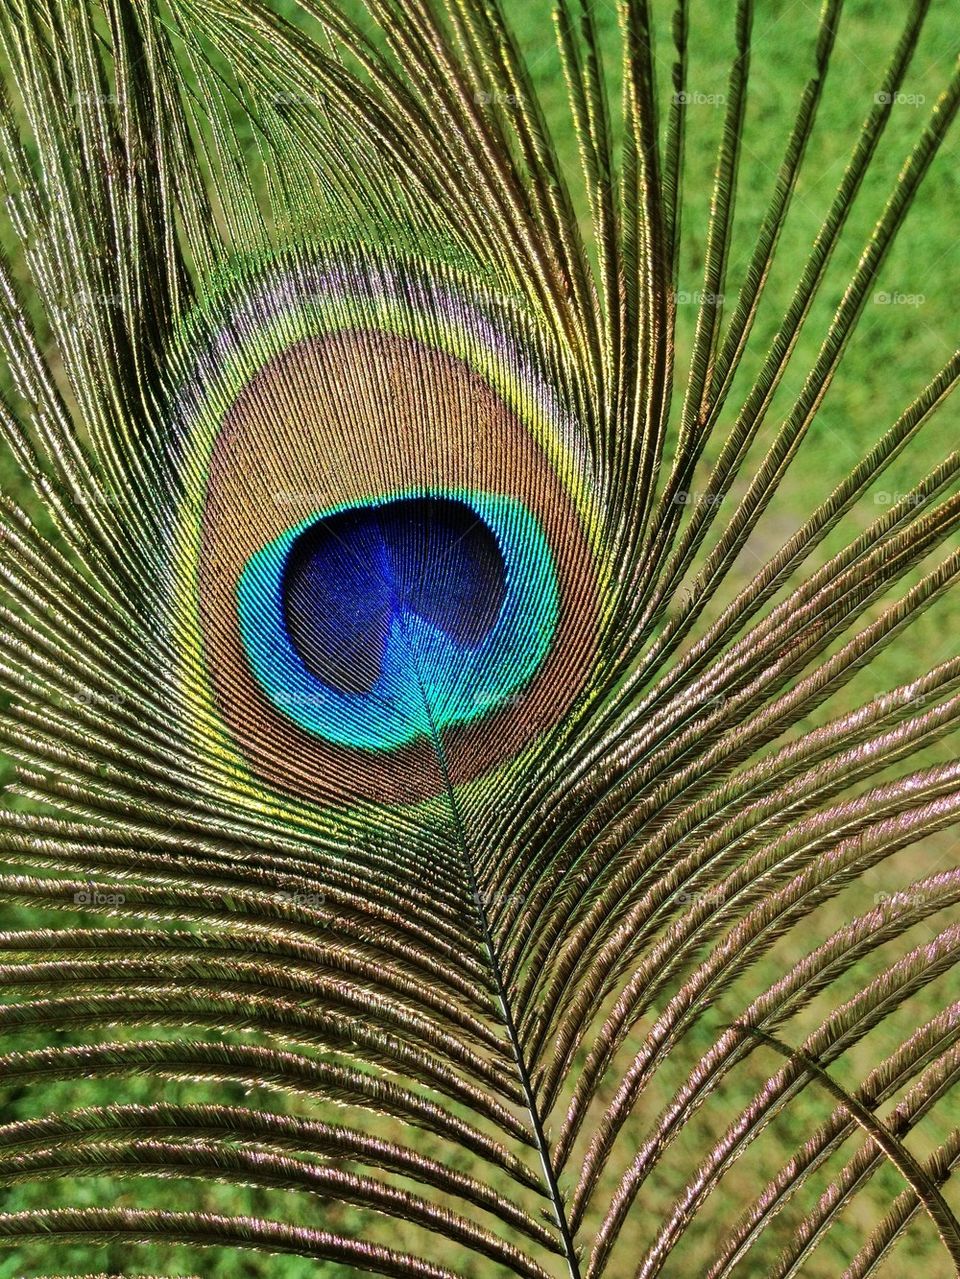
<point>480,682</point>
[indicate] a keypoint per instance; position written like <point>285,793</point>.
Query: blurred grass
<point>895,351</point>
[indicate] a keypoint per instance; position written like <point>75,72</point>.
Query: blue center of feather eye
<point>374,624</point>
<point>350,576</point>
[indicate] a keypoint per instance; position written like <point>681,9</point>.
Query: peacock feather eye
<point>390,567</point>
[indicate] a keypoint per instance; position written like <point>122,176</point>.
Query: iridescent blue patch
<point>373,624</point>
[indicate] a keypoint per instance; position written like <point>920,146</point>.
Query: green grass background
<point>896,349</point>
